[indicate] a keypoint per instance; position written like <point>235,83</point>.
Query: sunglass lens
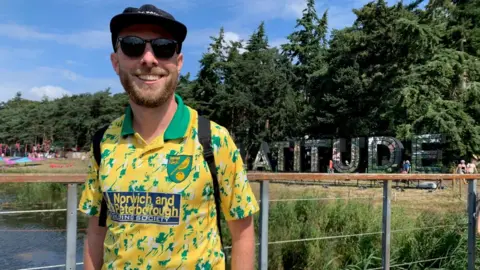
<point>132,46</point>
<point>164,48</point>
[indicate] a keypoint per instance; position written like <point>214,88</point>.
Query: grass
<point>322,218</point>
<point>342,210</point>
<point>424,225</point>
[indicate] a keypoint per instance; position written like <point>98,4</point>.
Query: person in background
<point>471,166</point>
<point>406,166</point>
<point>462,168</point>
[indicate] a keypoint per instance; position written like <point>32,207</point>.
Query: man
<point>152,174</point>
<point>472,167</point>
<point>406,166</point>
<point>461,167</point>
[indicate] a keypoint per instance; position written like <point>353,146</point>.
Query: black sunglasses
<point>133,46</point>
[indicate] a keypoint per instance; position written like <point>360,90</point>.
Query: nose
<point>148,58</point>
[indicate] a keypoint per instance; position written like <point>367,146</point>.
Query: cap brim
<point>121,21</point>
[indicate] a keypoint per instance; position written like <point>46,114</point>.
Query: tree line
<point>398,70</point>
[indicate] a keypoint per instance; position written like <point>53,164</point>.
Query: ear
<point>114,60</point>
<point>179,62</point>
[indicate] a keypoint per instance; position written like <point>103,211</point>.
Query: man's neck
<point>151,122</point>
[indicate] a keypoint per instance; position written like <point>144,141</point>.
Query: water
<point>35,239</point>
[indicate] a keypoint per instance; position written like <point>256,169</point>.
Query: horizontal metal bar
<point>254,176</point>
<point>48,267</point>
<point>30,211</point>
<point>323,199</point>
<point>322,238</point>
<point>259,176</point>
<point>273,200</point>
<point>430,227</point>
<point>42,178</point>
<point>327,237</point>
<point>410,263</point>
<point>38,230</point>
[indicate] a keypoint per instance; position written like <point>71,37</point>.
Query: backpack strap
<point>205,138</point>
<point>96,140</point>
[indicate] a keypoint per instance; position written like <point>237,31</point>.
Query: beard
<point>146,95</point>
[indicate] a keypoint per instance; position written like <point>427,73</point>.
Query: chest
<point>155,182</point>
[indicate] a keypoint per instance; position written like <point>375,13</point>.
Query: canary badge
<point>179,167</point>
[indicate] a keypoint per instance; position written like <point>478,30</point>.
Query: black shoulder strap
<point>96,140</point>
<point>205,138</point>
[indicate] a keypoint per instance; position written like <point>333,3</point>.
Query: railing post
<point>386,223</point>
<point>71,227</point>
<point>472,222</point>
<point>263,234</point>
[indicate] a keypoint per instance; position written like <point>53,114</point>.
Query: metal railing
<point>72,180</point>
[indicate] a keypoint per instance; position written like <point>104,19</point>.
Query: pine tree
<point>210,77</point>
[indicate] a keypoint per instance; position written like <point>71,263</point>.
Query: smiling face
<point>149,81</point>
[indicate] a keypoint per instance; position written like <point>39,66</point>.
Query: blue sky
<point>55,47</point>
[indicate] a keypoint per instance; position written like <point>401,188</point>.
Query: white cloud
<point>176,4</point>
<point>50,91</point>
<point>250,12</point>
<point>75,63</point>
<point>202,39</point>
<point>87,39</point>
<point>163,4</point>
<point>16,31</point>
<point>270,9</point>
<point>231,37</point>
<point>339,17</point>
<point>15,54</point>
<point>295,7</point>
<point>277,42</point>
<point>93,39</point>
<point>46,78</point>
<point>235,37</point>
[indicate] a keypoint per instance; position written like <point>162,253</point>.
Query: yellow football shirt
<point>160,195</point>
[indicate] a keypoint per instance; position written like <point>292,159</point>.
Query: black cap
<point>147,14</point>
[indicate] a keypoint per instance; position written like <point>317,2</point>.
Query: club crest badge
<point>179,167</point>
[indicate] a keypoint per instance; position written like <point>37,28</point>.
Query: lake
<point>35,239</point>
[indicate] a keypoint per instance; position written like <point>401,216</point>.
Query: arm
<point>243,243</point>
<point>93,246</point>
<point>237,199</point>
<point>90,203</point>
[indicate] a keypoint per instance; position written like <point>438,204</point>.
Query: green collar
<point>175,130</point>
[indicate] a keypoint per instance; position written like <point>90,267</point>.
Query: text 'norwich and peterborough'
<point>144,207</point>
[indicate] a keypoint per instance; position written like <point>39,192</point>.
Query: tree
<point>210,76</point>
<point>398,70</point>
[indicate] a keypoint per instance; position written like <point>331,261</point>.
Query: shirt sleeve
<point>91,197</point>
<point>237,198</point>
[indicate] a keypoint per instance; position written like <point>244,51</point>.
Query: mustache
<point>150,71</point>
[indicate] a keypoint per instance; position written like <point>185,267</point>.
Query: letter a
<point>262,160</point>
